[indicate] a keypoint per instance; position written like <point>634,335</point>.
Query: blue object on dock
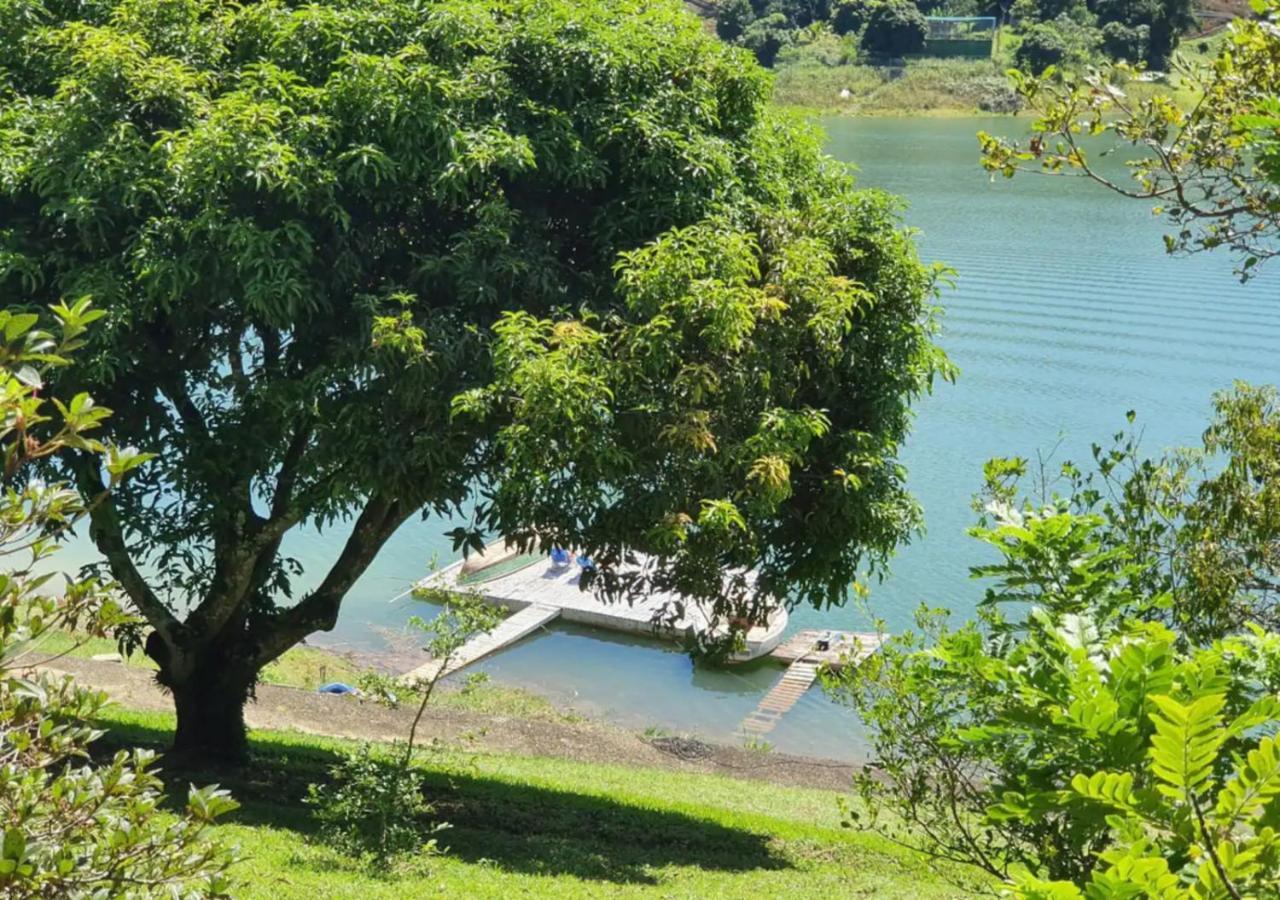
<point>337,687</point>
<point>560,556</point>
<point>586,562</point>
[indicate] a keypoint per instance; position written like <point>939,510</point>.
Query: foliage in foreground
<point>372,806</point>
<point>360,259</point>
<point>72,828</point>
<point>1212,169</point>
<point>1106,726</point>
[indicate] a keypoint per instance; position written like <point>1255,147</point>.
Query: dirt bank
<point>285,708</point>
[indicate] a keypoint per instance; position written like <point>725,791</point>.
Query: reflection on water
<point>1066,313</point>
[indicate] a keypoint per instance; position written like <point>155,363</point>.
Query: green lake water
<point>1065,313</point>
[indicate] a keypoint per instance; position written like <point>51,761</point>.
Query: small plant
<point>756,744</point>
<point>374,809</point>
<point>474,682</point>
<point>655,731</point>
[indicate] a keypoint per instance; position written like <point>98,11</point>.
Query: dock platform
<point>511,629</point>
<point>843,647</point>
<point>537,591</point>
<point>518,585</point>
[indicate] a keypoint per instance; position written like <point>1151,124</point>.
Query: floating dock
<point>538,591</point>
<point>521,583</point>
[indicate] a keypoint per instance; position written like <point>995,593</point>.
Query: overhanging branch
<point>318,611</point>
<point>107,535</point>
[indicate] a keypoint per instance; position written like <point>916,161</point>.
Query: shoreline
<point>548,733</point>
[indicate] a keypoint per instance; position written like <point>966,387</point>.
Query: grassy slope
<point>923,87</point>
<point>524,826</point>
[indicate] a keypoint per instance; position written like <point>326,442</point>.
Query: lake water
<point>1065,314</point>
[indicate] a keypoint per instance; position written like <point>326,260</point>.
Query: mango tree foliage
<point>1210,164</point>
<point>366,259</point>
<point>71,827</point>
<point>1085,736</point>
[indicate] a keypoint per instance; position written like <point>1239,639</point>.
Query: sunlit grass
<point>542,827</point>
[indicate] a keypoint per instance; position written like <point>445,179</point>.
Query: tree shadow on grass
<point>517,827</point>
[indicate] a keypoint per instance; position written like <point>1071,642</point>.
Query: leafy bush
<point>373,808</point>
<point>1122,42</point>
<point>894,28</point>
<point>1061,41</point>
<point>1114,734</point>
<point>72,828</point>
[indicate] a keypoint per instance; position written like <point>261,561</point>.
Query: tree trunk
<point>211,717</point>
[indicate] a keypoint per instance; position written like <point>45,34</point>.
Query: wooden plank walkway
<point>803,651</point>
<point>511,629</point>
<point>784,695</point>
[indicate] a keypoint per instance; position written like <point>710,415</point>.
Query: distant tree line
<point>1052,32</point>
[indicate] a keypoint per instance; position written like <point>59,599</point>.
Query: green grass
<point>540,827</point>
<point>922,87</point>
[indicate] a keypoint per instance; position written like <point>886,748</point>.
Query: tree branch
<point>107,535</point>
<point>288,475</point>
<point>318,611</point>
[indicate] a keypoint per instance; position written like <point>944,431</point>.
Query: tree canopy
<point>1048,32</point>
<point>1212,168</point>
<point>365,259</point>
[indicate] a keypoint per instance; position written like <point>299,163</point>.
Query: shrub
<point>1059,42</point>
<point>894,28</point>
<point>1123,42</point>
<point>373,808</point>
<point>849,16</point>
<point>1113,735</point>
<point>72,828</point>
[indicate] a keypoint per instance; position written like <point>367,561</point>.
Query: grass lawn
<point>539,827</point>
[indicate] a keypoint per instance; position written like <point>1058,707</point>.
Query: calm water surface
<point>1065,314</point>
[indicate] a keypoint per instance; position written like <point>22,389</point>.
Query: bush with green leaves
<point>1102,727</point>
<point>72,827</point>
<point>1057,42</point>
<point>894,28</point>
<point>373,807</point>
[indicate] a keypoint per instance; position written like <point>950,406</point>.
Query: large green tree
<point>368,259</point>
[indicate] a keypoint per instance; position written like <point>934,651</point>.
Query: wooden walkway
<point>511,629</point>
<point>795,681</point>
<point>807,656</point>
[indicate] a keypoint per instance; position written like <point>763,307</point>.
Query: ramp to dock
<point>781,697</point>
<point>511,629</point>
<point>807,652</point>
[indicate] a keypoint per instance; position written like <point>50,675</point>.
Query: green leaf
<point>1256,781</point>
<point>1186,742</point>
